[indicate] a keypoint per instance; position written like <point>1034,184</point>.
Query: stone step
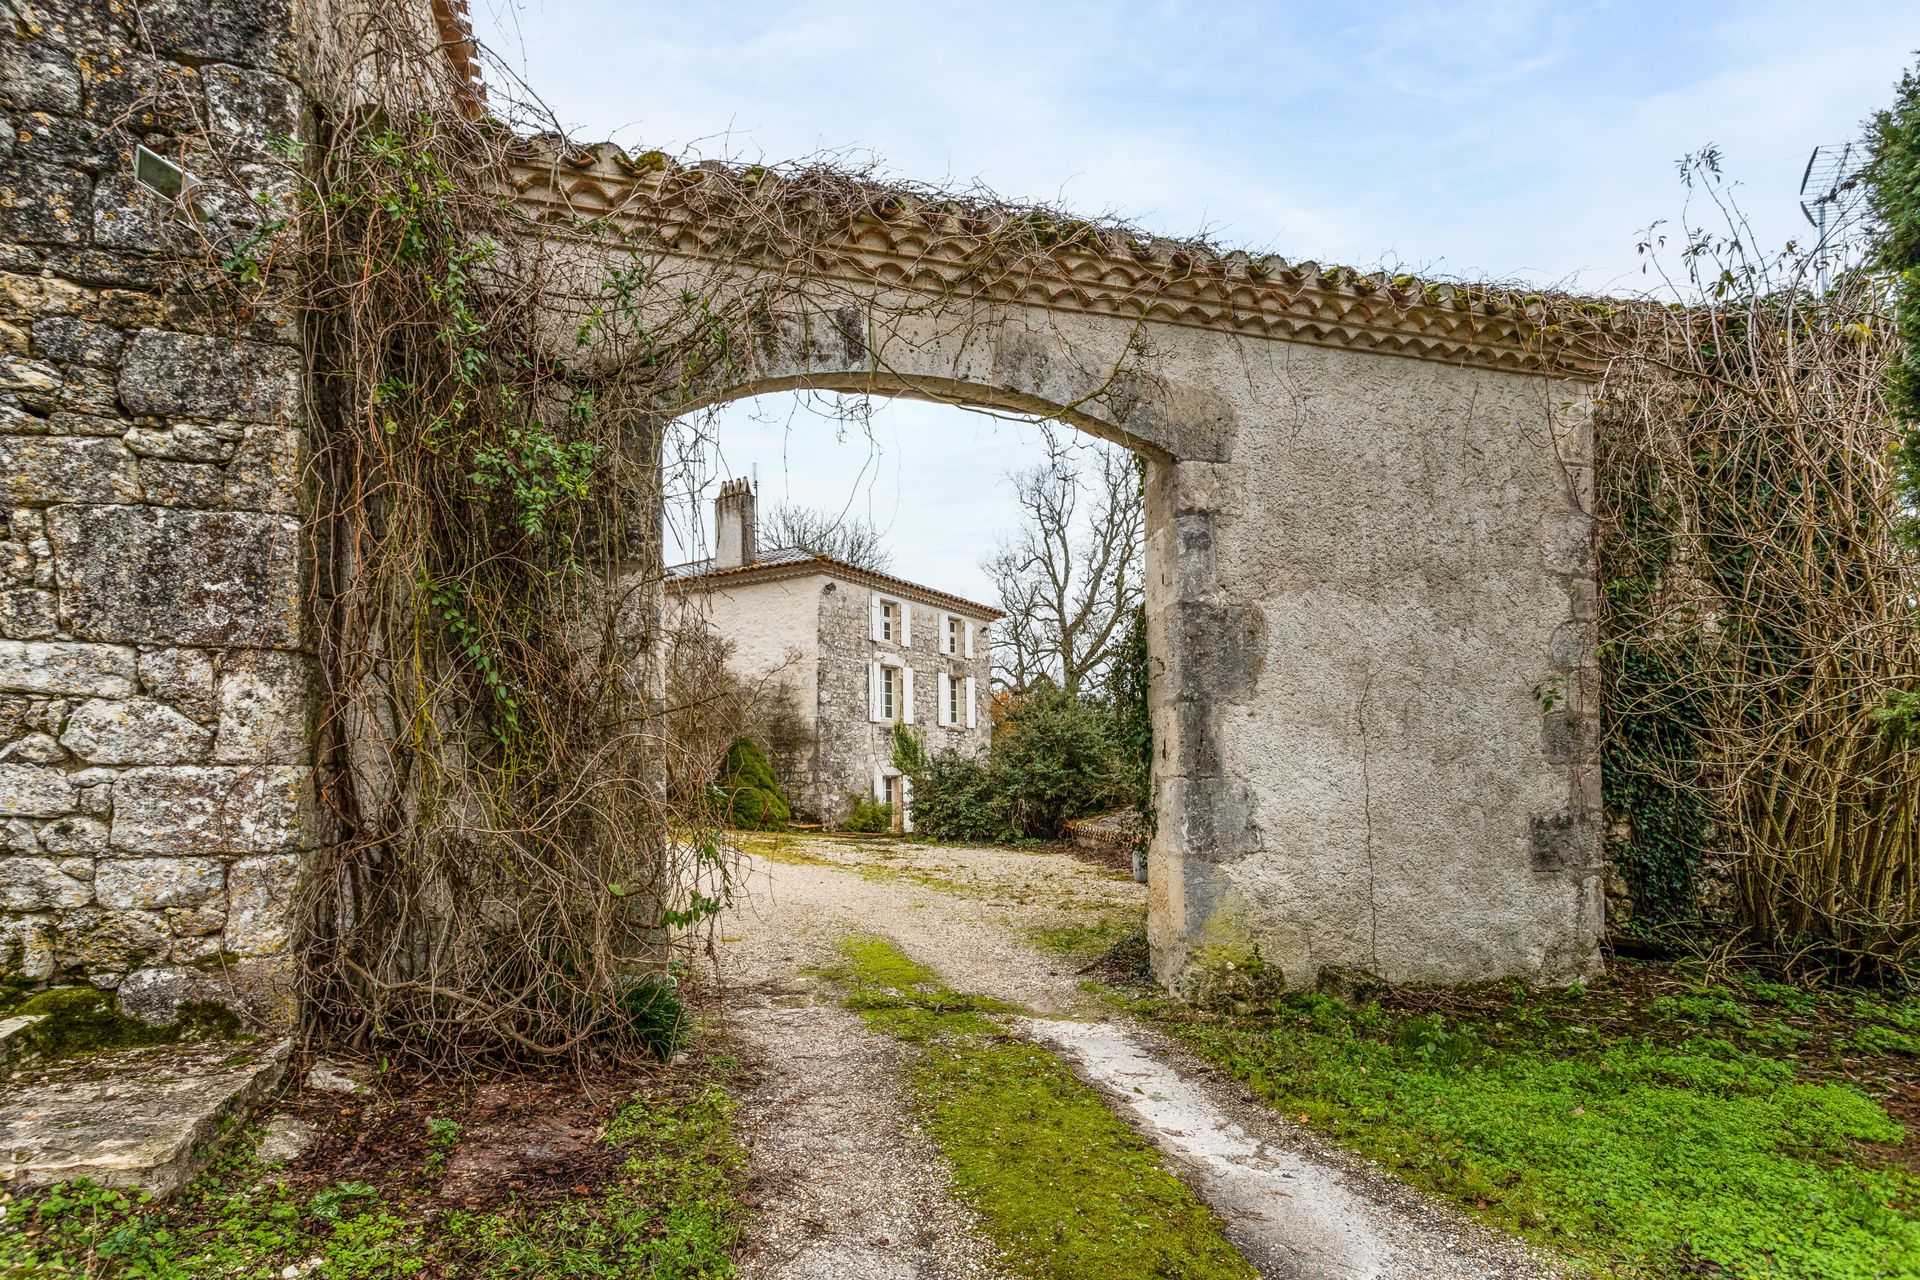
<point>145,1118</point>
<point>13,1036</point>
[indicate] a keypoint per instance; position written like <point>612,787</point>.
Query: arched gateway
<point>1370,588</point>
<point>1370,580</point>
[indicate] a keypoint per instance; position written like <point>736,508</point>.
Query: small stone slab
<point>146,1118</point>
<point>13,1035</point>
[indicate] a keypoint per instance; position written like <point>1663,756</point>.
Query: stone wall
<point>154,781</point>
<point>852,747</point>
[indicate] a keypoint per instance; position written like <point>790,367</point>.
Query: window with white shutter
<point>950,629</point>
<point>906,695</point>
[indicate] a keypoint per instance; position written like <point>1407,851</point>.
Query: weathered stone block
<point>17,835</point>
<point>38,884</point>
<point>211,809</point>
<point>26,948</point>
<point>68,340</point>
<point>168,576</point>
<point>37,74</point>
<point>260,897</point>
<point>148,884</point>
<point>182,678</point>
<point>134,731</point>
<point>264,707</point>
<point>126,216</point>
<point>35,748</point>
<point>26,613</point>
<point>34,791</point>
<point>192,376</point>
<point>44,203</point>
<point>67,423</point>
<point>100,939</point>
<point>182,484</point>
<point>74,837</point>
<point>187,441</point>
<point>265,472</point>
<point>247,104</point>
<point>57,666</point>
<point>66,469</point>
<point>254,35</point>
<point>29,377</point>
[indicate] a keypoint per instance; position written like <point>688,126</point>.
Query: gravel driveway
<point>850,1188</point>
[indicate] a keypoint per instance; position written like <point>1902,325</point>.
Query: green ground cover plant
<point>1660,1124</point>
<point>668,1209</point>
<point>1064,1187</point>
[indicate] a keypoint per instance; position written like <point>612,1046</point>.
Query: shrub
<point>868,815</point>
<point>1055,758</point>
<point>957,797</point>
<point>754,799</point>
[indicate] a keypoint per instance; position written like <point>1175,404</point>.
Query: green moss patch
<point>1659,1125</point>
<point>86,1020</point>
<point>1064,1187</point>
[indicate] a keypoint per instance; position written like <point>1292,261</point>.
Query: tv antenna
<point>1829,190</point>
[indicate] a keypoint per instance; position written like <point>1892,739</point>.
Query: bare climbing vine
<point>1760,644</point>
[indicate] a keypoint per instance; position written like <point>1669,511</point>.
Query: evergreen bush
<point>754,799</point>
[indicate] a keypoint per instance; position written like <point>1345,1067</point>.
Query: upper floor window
<point>956,636</point>
<point>889,692</point>
<point>892,621</point>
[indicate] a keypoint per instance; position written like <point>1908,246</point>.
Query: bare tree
<point>849,538</point>
<point>1072,575</point>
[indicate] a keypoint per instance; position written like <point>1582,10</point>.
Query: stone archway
<point>1370,589</point>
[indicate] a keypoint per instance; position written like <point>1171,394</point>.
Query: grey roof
<point>779,555</point>
<point>787,557</point>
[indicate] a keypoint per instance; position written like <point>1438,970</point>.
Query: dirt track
<point>849,1188</point>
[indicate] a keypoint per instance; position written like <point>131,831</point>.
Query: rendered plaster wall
<point>1377,744</point>
<point>154,782</point>
<point>774,630</point>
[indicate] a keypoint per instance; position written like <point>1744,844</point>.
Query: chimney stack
<point>734,524</point>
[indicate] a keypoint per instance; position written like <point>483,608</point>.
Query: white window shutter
<point>966,629</point>
<point>879,784</point>
<point>906,695</point>
<point>873,617</point>
<point>876,710</point>
<point>972,719</point>
<point>945,621</point>
<point>906,624</point>
<point>906,803</point>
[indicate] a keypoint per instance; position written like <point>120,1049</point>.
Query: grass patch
<point>1065,1188</point>
<point>1085,941</point>
<point>1659,1125</point>
<point>671,1211</point>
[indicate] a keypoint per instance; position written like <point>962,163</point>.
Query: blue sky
<point>1506,139</point>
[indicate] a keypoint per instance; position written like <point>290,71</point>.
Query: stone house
<point>860,651</point>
